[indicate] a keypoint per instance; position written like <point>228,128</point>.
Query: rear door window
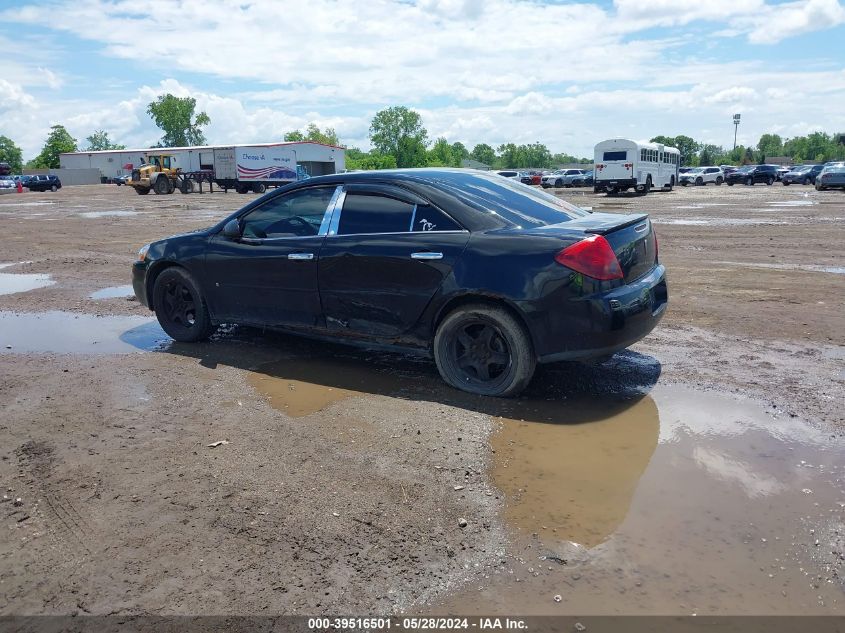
<point>427,218</point>
<point>609,156</point>
<point>364,213</point>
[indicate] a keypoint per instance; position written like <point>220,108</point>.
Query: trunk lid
<point>632,238</point>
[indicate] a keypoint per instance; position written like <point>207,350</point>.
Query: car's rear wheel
<point>180,307</point>
<point>483,349</point>
<point>770,181</point>
<point>719,181</point>
<point>54,188</point>
<point>699,181</point>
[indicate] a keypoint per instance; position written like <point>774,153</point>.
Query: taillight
<point>593,257</point>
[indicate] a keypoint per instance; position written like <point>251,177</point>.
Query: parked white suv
<point>702,176</point>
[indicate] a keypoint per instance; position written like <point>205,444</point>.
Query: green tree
<point>460,152</point>
<point>684,144</point>
<point>314,134</point>
<point>58,142</point>
<point>770,145</point>
<point>356,159</point>
<point>440,154</point>
<point>175,117</point>
<point>11,154</point>
<point>508,154</point>
<point>100,140</point>
<point>399,132</point>
<point>483,153</point>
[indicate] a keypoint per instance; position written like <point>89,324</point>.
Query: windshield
<point>801,168</point>
<point>521,205</point>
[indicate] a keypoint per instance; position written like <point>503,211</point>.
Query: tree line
<point>399,139</point>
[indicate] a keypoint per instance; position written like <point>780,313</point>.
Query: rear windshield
<point>518,204</point>
<point>608,156</point>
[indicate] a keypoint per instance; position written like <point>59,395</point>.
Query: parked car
<point>44,183</point>
<point>783,170</point>
<point>121,180</point>
<point>803,174</point>
<point>486,275</point>
<point>519,176</point>
<point>557,178</point>
<point>7,182</point>
<point>702,176</point>
<point>728,169</point>
<point>570,176</point>
<point>832,177</point>
<point>752,174</point>
<point>683,170</point>
<point>584,180</point>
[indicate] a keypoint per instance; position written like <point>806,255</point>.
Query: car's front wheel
<point>770,181</point>
<point>180,307</point>
<point>484,349</point>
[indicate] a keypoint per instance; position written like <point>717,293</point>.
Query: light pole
<point>736,126</point>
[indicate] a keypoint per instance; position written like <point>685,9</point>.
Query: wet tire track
<point>37,462</point>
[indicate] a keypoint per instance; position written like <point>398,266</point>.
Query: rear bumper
<point>615,183</point>
<point>604,323</point>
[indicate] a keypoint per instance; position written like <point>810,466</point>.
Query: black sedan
<point>483,273</point>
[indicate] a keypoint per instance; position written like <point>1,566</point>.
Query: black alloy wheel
<point>180,308</point>
<point>483,349</point>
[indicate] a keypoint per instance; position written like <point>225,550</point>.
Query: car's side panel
<point>372,285</point>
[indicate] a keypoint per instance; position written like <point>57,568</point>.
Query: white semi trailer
<point>254,168</point>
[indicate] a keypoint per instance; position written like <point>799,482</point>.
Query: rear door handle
<point>426,255</point>
<point>301,256</point>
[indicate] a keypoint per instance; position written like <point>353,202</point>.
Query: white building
<point>316,158</point>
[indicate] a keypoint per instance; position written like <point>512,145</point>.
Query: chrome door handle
<point>426,255</point>
<point>301,256</point>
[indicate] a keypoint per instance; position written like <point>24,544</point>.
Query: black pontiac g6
<point>488,275</point>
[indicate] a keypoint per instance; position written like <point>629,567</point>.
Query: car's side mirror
<point>232,229</point>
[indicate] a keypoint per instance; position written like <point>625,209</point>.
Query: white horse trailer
<point>622,164</point>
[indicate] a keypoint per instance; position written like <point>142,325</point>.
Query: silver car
<point>558,178</point>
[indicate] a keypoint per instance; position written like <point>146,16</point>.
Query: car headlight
<point>142,253</point>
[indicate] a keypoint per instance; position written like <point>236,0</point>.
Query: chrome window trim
<point>402,233</point>
<point>413,217</point>
<point>327,216</point>
<point>335,219</point>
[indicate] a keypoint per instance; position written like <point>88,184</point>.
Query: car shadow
<point>568,393</point>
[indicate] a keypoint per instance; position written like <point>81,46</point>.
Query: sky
<point>566,74</point>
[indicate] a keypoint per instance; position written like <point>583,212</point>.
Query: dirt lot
<point>703,471</point>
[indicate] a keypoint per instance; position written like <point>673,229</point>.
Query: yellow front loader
<point>157,173</point>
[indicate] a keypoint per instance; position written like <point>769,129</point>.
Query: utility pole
<point>736,127</point>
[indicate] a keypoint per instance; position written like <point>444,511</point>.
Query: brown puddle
<point>675,502</point>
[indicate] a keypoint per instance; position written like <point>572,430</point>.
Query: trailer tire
<point>187,186</point>
<point>259,187</point>
<point>241,189</point>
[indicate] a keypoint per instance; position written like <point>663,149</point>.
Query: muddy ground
<point>700,472</point>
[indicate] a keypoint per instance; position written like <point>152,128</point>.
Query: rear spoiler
<point>604,223</point>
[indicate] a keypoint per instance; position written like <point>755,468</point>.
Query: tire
<point>469,339</point>
<point>141,191</point>
<point>685,183</point>
<point>647,186</point>
<point>162,186</point>
<point>558,183</point>
<point>671,183</point>
<point>786,184</point>
<point>806,181</point>
<point>770,181</point>
<point>699,182</point>
<point>819,187</point>
<point>259,187</point>
<point>750,182</point>
<point>730,183</point>
<point>719,181</point>
<point>187,186</point>
<point>54,188</point>
<point>180,307</point>
<point>241,189</point>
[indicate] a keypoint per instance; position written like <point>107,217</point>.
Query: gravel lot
<point>345,475</point>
